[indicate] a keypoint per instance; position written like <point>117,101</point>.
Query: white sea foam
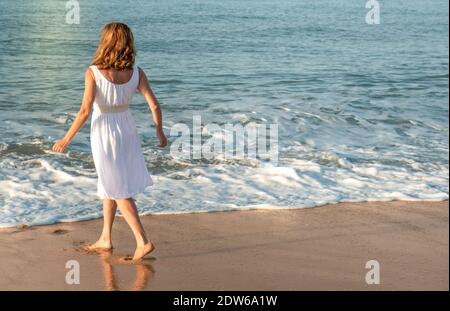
<point>41,192</point>
<point>45,191</point>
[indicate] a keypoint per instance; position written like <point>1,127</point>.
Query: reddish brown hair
<point>116,48</point>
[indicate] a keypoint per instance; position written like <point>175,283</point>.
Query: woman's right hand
<point>60,145</point>
<point>162,139</point>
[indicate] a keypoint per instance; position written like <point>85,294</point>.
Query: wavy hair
<point>116,48</point>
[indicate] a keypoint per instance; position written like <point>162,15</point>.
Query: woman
<point>110,84</point>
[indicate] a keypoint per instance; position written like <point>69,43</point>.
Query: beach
<point>307,145</point>
<point>322,248</point>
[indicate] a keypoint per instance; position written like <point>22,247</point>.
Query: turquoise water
<point>361,109</point>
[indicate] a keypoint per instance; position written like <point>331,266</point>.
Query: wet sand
<point>324,248</point>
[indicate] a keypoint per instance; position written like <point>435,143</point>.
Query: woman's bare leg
<point>129,211</point>
<point>109,212</point>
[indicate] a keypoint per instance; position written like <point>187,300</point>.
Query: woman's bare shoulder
<point>141,71</point>
<point>89,74</point>
<point>142,74</point>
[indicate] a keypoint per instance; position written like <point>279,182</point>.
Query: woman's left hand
<point>162,139</point>
<point>60,145</point>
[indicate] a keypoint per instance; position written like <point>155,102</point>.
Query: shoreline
<point>256,207</point>
<point>320,248</point>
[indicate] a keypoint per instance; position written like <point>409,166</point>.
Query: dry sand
<point>324,248</point>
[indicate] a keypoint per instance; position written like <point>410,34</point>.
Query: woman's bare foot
<point>99,245</point>
<point>142,251</point>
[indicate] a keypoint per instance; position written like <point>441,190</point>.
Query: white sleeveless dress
<point>116,146</point>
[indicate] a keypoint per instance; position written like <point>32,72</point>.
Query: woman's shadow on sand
<point>143,270</point>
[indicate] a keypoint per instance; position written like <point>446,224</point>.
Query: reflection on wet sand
<point>144,271</point>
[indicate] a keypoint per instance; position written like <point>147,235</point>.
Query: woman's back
<point>117,76</point>
<point>115,88</point>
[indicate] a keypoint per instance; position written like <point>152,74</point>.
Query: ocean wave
<point>37,191</point>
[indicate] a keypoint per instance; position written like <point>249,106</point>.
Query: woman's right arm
<point>82,115</point>
<point>146,91</point>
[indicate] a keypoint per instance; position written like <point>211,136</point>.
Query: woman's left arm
<point>82,115</point>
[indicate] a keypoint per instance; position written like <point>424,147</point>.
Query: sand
<point>324,248</point>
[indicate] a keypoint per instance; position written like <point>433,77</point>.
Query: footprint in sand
<point>78,246</point>
<point>128,259</point>
<point>60,231</point>
<point>22,227</point>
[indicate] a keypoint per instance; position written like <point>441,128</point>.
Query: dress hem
<point>126,196</point>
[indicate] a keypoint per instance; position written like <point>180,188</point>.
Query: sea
<point>361,109</point>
